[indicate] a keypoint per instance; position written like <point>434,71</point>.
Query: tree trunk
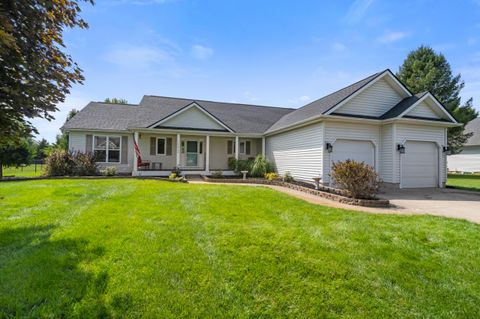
<point>1,170</point>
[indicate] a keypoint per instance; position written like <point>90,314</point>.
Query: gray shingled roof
<point>241,118</point>
<point>320,106</point>
<point>103,116</point>
<point>473,127</point>
<point>402,106</point>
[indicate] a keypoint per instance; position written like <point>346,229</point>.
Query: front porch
<point>193,153</point>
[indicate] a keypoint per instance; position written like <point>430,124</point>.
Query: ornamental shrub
<point>358,179</point>
<point>85,164</point>
<point>261,166</point>
<point>271,176</point>
<point>59,163</point>
<point>287,177</point>
<point>217,174</point>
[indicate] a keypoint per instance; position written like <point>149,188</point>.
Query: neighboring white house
<point>468,160</point>
<point>376,120</point>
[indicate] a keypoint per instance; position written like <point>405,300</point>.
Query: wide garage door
<point>361,151</point>
<point>420,165</point>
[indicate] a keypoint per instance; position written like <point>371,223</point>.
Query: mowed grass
<point>145,248</point>
<point>26,171</point>
<point>468,182</point>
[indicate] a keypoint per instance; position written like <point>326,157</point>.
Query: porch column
<point>207,154</point>
<point>135,159</point>
<point>237,147</point>
<point>263,146</point>
<point>178,150</point>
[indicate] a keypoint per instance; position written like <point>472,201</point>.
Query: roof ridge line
<point>210,101</point>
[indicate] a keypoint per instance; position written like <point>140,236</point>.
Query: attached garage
<point>419,165</point>
<point>358,150</point>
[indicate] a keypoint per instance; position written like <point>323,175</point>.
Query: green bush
<point>287,177</point>
<point>110,171</point>
<point>239,165</point>
<point>59,163</point>
<point>63,163</point>
<point>359,179</point>
<point>261,166</point>
<point>217,174</point>
<point>85,164</point>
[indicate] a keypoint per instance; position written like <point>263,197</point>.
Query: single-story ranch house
<point>376,120</point>
<point>468,160</point>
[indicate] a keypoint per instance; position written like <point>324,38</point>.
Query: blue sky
<point>282,53</point>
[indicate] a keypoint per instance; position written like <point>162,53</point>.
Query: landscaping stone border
<point>325,192</point>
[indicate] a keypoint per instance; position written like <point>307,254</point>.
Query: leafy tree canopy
<point>35,74</point>
<point>115,100</point>
<point>426,70</point>
<point>16,153</point>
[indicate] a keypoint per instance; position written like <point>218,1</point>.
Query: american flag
<point>137,151</point>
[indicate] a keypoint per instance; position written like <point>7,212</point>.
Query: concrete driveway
<point>436,201</point>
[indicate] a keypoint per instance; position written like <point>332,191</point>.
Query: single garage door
<point>419,165</point>
<point>360,151</point>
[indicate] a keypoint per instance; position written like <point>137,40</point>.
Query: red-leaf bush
<point>358,179</point>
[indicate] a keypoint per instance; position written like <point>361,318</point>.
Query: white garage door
<point>360,151</point>
<point>420,165</point>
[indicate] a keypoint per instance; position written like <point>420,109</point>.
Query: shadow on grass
<point>46,277</point>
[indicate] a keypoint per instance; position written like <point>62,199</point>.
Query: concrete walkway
<point>424,201</point>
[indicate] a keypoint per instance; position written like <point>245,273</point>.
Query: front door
<point>192,154</point>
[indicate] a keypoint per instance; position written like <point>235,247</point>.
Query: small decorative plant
<point>261,166</point>
<point>271,176</point>
<point>358,179</point>
<point>110,171</point>
<point>287,177</point>
<point>217,174</point>
<point>172,176</point>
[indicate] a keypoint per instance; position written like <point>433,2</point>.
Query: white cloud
<point>137,56</point>
<point>391,37</point>
<point>339,47</point>
<point>357,11</point>
<point>201,52</point>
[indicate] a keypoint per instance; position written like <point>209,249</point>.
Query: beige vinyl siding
<point>411,132</point>
<point>168,161</point>
<point>218,153</point>
<point>349,131</point>
<point>423,110</point>
<point>467,161</point>
<point>77,142</point>
<point>374,101</point>
<point>298,151</point>
<point>387,149</point>
<point>193,117</point>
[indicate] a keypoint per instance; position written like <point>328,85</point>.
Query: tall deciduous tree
<point>35,73</point>
<point>426,70</point>
<point>115,100</point>
<point>15,154</point>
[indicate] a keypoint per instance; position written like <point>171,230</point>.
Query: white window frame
<point>164,146</point>
<point>107,149</point>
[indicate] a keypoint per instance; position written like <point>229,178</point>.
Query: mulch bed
<point>323,191</point>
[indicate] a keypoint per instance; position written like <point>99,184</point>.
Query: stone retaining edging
<point>321,193</point>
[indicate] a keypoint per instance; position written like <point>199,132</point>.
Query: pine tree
<point>426,70</point>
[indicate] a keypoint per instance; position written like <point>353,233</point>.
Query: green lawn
<point>27,171</point>
<point>469,182</point>
<point>146,248</point>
